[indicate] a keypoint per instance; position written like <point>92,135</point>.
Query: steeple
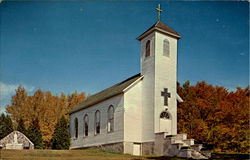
<point>160,27</point>
<point>159,68</point>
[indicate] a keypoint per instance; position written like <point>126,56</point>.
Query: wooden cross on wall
<point>166,95</point>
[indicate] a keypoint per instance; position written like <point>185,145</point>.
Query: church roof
<point>106,94</point>
<point>160,27</point>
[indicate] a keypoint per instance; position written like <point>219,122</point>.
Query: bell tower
<point>159,68</point>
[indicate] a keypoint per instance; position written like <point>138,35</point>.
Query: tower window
<point>97,122</point>
<point>76,128</point>
<point>86,125</point>
<point>165,115</point>
<point>166,48</point>
<point>148,48</point>
<point>110,119</point>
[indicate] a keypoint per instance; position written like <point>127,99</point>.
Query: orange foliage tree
<point>215,116</point>
<point>44,106</point>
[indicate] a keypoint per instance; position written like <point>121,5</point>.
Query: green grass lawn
<point>87,154</point>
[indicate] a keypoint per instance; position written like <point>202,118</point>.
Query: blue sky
<point>61,46</point>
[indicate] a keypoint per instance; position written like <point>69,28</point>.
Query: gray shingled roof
<point>106,94</point>
<point>159,25</point>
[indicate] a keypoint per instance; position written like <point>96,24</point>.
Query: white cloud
<point>7,90</point>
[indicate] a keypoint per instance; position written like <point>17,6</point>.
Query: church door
<point>165,123</point>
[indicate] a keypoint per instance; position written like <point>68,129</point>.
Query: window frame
<point>110,119</point>
<point>166,47</point>
<point>163,116</point>
<point>99,123</point>
<point>86,125</point>
<point>147,49</point>
<point>76,128</point>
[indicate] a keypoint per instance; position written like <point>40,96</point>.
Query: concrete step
<point>178,141</point>
<point>189,142</point>
<point>190,153</point>
<point>182,136</point>
<point>196,147</point>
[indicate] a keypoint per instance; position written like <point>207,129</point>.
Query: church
<point>138,115</point>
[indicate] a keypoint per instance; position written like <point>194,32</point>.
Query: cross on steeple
<point>166,95</point>
<point>159,11</point>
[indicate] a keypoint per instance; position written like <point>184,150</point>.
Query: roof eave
<point>132,84</point>
<point>74,111</point>
<point>159,30</point>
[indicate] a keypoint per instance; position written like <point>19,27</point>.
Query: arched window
<point>76,128</point>
<point>110,119</point>
<point>148,48</point>
<point>166,49</point>
<point>97,122</point>
<point>86,125</point>
<point>165,115</point>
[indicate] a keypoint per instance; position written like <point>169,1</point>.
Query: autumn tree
<point>18,108</point>
<point>61,137</point>
<point>6,126</point>
<point>45,107</point>
<point>215,116</point>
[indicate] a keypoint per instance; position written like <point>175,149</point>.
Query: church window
<point>166,48</point>
<point>76,128</point>
<point>165,115</point>
<point>97,122</point>
<point>110,119</point>
<point>86,125</point>
<point>148,48</point>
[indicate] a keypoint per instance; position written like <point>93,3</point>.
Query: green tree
<point>6,126</point>
<point>61,137</point>
<point>35,135</point>
<point>20,126</point>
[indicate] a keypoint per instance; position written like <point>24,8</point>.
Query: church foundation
<point>147,148</point>
<point>113,147</point>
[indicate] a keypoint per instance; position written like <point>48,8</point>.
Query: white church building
<point>138,115</point>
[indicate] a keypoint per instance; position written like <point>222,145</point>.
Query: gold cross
<point>159,11</point>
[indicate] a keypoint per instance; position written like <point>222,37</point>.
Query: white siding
<point>104,137</point>
<point>165,77</point>
<point>133,114</point>
<point>148,93</point>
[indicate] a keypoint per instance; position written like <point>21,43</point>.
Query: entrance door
<point>137,149</point>
<point>165,123</point>
<point>165,126</point>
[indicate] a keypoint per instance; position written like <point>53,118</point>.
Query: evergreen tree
<point>61,137</point>
<point>35,135</point>
<point>6,126</point>
<point>20,127</point>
